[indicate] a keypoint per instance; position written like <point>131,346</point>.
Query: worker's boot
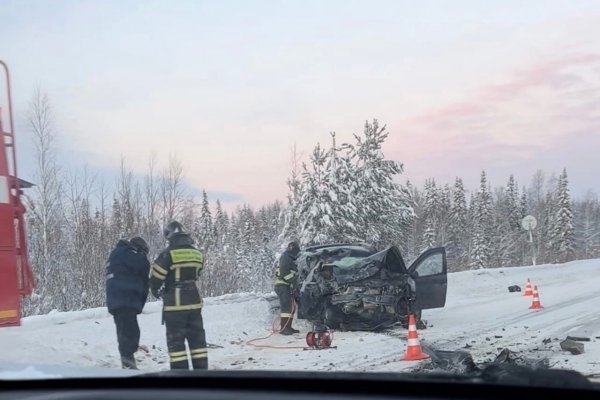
<point>128,363</point>
<point>283,329</point>
<point>286,327</point>
<point>291,328</point>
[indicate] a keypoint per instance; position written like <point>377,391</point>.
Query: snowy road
<point>480,312</point>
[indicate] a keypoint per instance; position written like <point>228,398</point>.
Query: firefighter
<point>127,272</point>
<point>286,273</point>
<point>173,278</point>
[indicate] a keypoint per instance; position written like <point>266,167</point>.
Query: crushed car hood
<point>369,266</point>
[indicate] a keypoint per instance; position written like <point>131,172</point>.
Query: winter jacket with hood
<point>127,273</point>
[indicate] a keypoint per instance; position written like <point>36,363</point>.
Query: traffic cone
<point>536,305</point>
<point>413,351</point>
<point>528,290</point>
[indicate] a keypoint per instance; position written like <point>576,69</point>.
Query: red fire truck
<point>16,277</point>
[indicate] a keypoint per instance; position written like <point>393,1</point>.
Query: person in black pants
<point>286,274</point>
<point>127,286</point>
<point>173,279</point>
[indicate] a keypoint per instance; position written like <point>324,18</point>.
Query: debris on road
<point>579,339</point>
<point>461,362</point>
<point>514,288</point>
<point>509,357</point>
<point>572,346</point>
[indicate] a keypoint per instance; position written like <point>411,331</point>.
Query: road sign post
<point>529,223</point>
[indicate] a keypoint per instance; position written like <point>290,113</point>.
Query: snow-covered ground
<point>480,312</point>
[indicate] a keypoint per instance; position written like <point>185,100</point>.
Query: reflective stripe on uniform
<point>285,315</point>
<point>177,297</point>
<point>186,265</point>
<point>199,350</point>
<point>280,282</point>
<point>289,276</point>
<point>186,255</point>
<point>157,275</point>
<point>159,269</point>
<point>199,353</point>
<point>159,272</point>
<point>183,308</point>
<point>178,353</point>
<point>177,359</point>
<point>177,267</point>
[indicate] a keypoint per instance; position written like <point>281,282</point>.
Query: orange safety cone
<point>413,351</point>
<point>536,305</point>
<point>528,289</point>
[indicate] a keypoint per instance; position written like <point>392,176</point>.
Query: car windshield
<point>378,186</point>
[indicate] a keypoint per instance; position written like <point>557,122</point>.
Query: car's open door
<point>429,271</point>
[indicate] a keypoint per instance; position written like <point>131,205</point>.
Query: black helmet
<point>293,247</point>
<point>140,244</point>
<point>172,228</point>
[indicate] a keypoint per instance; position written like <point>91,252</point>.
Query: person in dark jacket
<point>286,273</point>
<point>127,273</point>
<point>174,275</point>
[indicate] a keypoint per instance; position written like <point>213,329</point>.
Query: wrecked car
<point>356,287</point>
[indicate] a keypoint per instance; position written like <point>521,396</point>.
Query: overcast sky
<point>505,86</point>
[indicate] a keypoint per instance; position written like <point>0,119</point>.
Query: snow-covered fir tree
<point>562,231</point>
<point>205,230</point>
<point>431,215</point>
<point>458,230</point>
<point>481,243</point>
<point>384,206</point>
<point>316,213</point>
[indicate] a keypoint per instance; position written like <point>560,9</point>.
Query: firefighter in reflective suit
<point>173,278</point>
<point>286,273</point>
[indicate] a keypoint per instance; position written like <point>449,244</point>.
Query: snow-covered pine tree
<point>550,207</point>
<point>524,245</point>
<point>481,242</point>
<point>430,215</point>
<point>506,232</point>
<point>315,211</point>
<point>343,192</point>
<point>384,206</point>
<point>411,247</point>
<point>458,227</point>
<point>246,256</point>
<point>445,205</point>
<point>205,236</point>
<point>562,233</point>
<point>586,215</point>
<point>269,224</point>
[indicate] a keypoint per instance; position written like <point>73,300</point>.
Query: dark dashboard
<point>278,385</point>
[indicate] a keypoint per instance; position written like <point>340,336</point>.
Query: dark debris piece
<point>572,346</point>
